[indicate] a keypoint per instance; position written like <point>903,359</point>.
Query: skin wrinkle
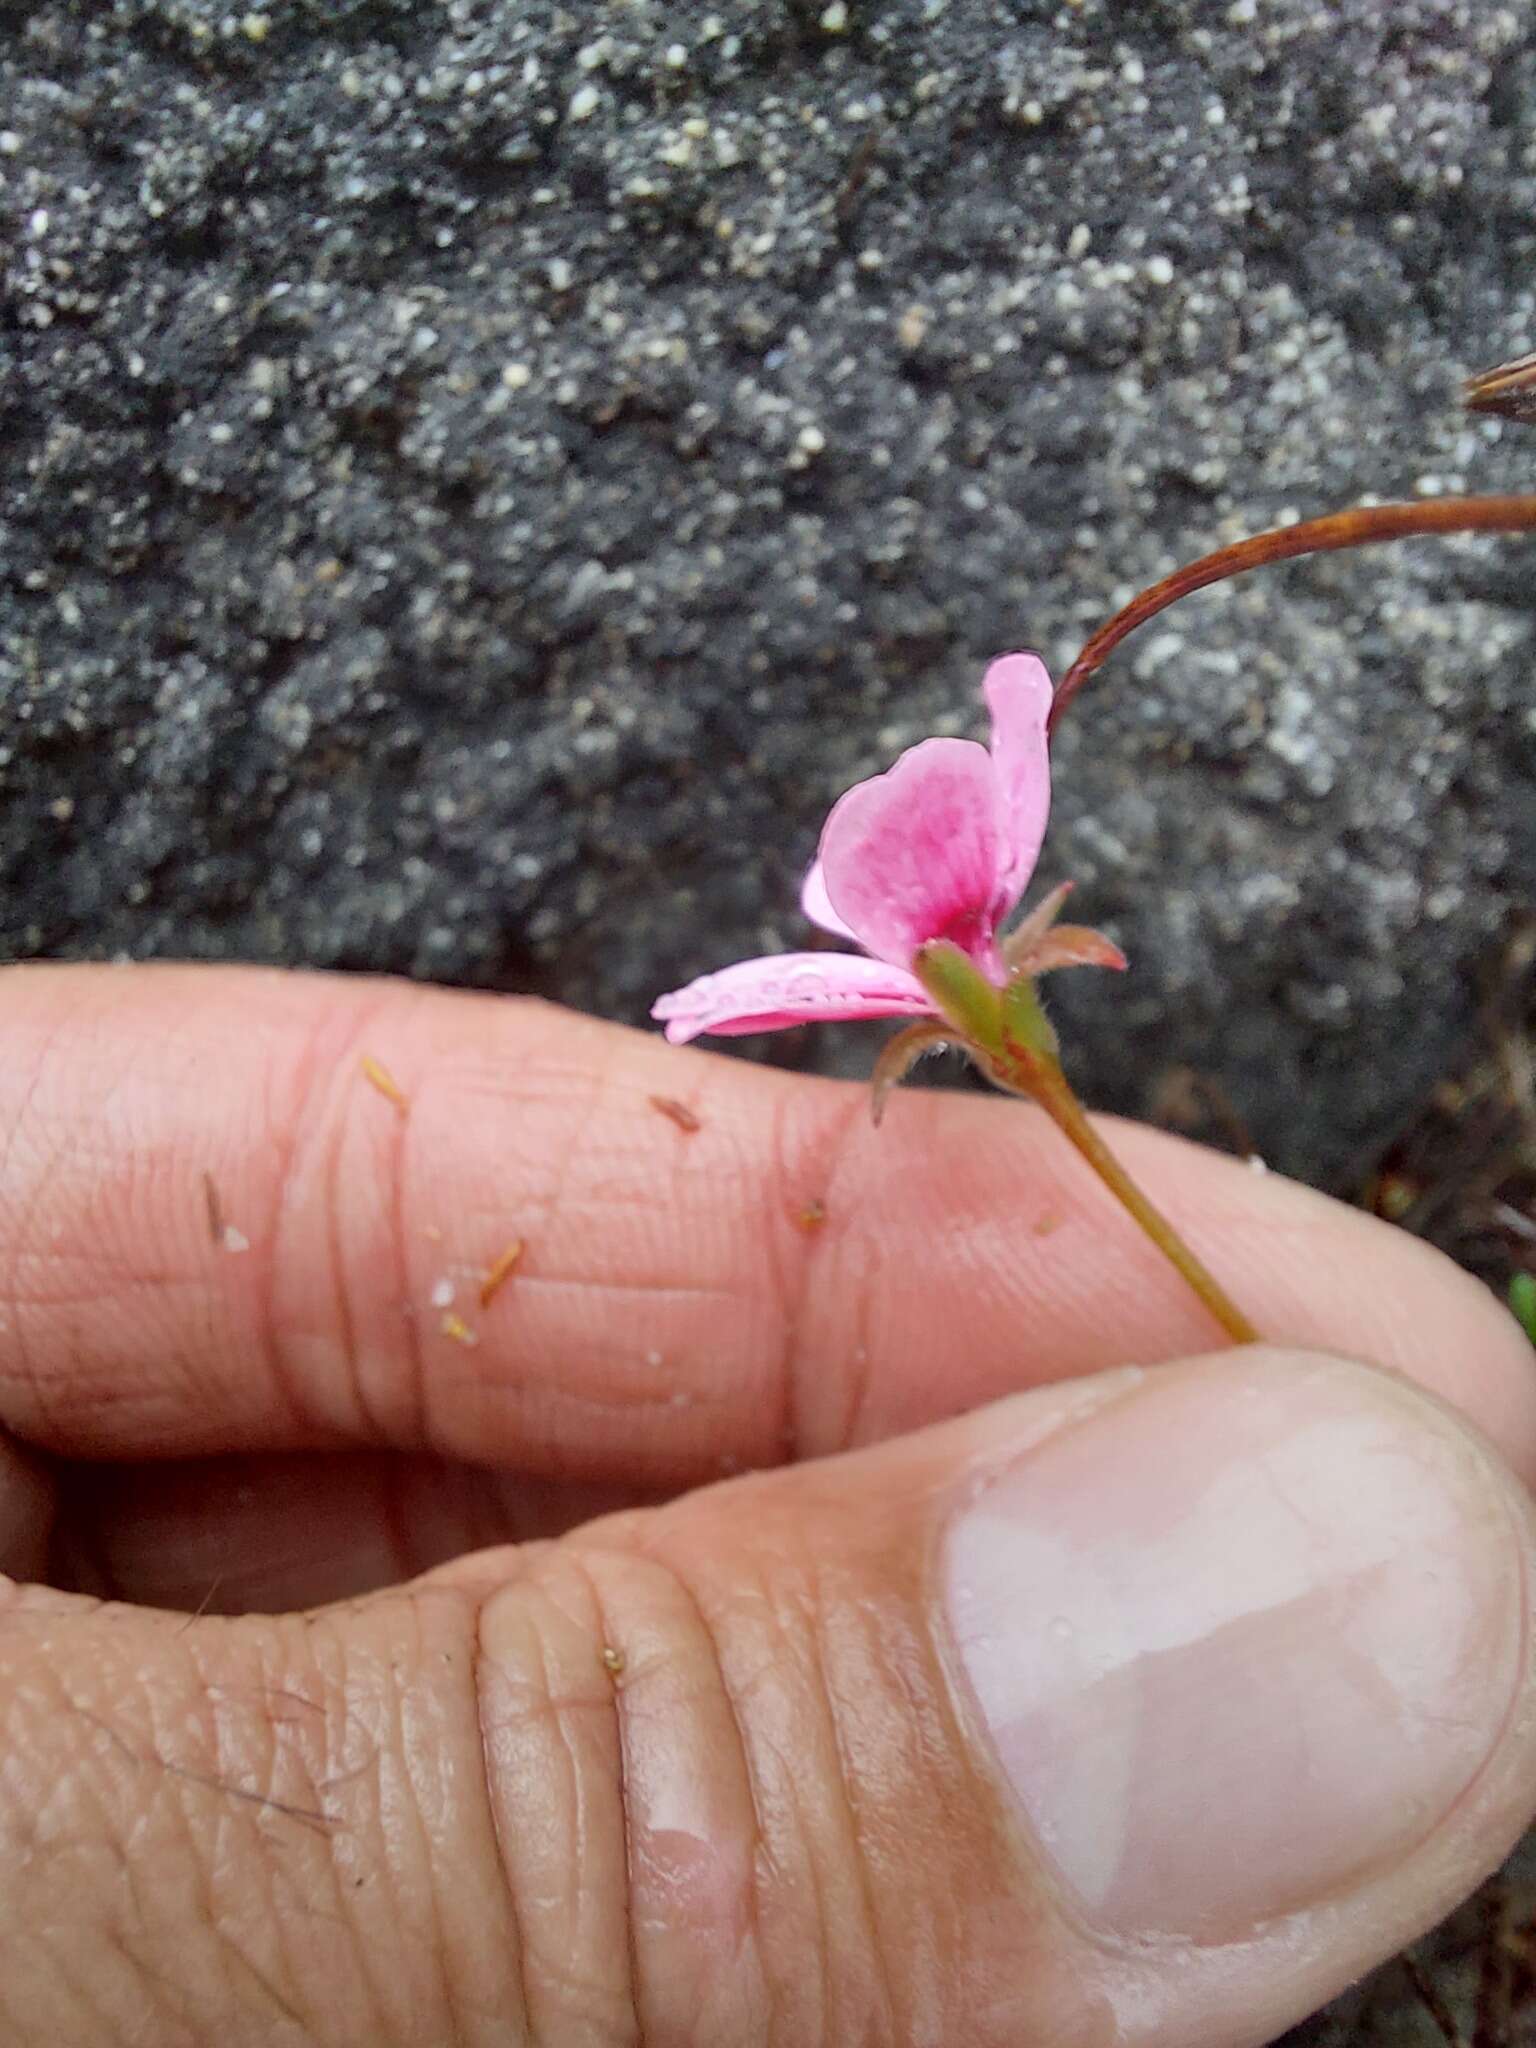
<point>323,1646</point>
<point>284,1132</point>
<point>610,1634</point>
<point>24,1826</point>
<point>824,1140</point>
<point>324,1098</point>
<point>645,1290</point>
<point>493,1816</point>
<point>531,1975</point>
<point>131,1869</point>
<point>396,1182</point>
<point>283,1736</point>
<point>104,2004</point>
<point>761,1854</point>
<point>821,1604</point>
<point>766,1864</point>
<point>216,1726</point>
<point>303,1816</point>
<point>326,1646</point>
<point>284,1375</point>
<point>413,1760</point>
<point>378,1964</point>
<point>812,1671</point>
<point>594,1082</point>
<point>229,1948</point>
<point>153,1283</point>
<point>15,1331</point>
<point>864,1290</point>
<point>335,1126</point>
<point>465,2005</point>
<point>295,1905</point>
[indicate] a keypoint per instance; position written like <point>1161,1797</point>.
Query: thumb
<point>1153,1708</point>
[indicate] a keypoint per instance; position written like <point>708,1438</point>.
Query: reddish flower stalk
<point>1335,530</point>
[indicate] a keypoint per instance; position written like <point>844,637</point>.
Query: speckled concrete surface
<point>480,477</point>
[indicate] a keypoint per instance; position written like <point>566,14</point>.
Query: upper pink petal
<point>817,904</point>
<point>919,853</point>
<point>1018,693</point>
<point>782,989</point>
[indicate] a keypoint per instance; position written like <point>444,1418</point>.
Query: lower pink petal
<point>918,853</point>
<point>1017,688</point>
<point>783,989</point>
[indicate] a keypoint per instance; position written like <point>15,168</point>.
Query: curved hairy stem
<point>1352,529</point>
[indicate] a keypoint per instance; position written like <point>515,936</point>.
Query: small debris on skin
<point>811,1217</point>
<point>1257,1164</point>
<point>442,1293</point>
<point>454,1326</point>
<point>235,1240</point>
<point>214,1207</point>
<point>677,1112</point>
<point>499,1271</point>
<point>431,1233</point>
<point>1051,1220</point>
<point>377,1075</point>
<point>613,1660</point>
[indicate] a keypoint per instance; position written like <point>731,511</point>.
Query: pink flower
<point>942,846</point>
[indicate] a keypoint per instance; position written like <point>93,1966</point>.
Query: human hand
<point>1250,1629</point>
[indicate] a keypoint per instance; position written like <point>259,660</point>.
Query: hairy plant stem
<point>1352,529</point>
<point>1026,1063</point>
<point>1012,1041</point>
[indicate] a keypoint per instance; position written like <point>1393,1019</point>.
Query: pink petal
<point>918,854</point>
<point>1018,693</point>
<point>783,989</point>
<point>817,904</point>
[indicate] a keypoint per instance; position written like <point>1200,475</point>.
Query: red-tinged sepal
<point>1039,944</point>
<point>1032,928</point>
<point>1073,945</point>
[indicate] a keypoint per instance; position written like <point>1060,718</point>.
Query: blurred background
<point>480,476</point>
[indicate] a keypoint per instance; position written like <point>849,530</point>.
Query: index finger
<point>246,1210</point>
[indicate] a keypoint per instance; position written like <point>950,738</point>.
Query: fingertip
<point>1277,1587</point>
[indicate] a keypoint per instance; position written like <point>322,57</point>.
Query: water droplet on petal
<point>807,985</point>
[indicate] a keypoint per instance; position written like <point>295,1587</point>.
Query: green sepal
<point>1025,1024</point>
<point>961,994</point>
